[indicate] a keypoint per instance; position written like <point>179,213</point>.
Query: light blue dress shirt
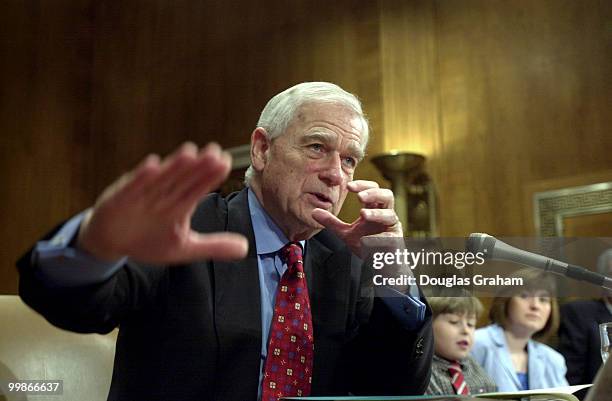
<point>60,265</point>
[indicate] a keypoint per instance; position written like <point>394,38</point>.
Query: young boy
<point>453,371</point>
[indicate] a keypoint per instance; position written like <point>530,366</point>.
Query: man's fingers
<point>377,198</point>
<point>386,217</point>
<point>173,168</point>
<point>361,185</point>
<point>140,178</point>
<point>206,176</point>
<point>328,220</point>
<point>202,173</point>
<point>217,246</point>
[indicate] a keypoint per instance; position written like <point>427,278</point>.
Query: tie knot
<point>455,367</point>
<point>291,254</point>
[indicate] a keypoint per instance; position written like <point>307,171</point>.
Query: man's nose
<point>331,173</point>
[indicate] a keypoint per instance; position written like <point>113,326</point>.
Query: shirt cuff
<point>58,264</point>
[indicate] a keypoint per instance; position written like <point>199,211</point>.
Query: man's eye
<point>317,147</point>
<point>349,161</point>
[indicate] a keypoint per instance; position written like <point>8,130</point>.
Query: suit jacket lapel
<point>603,314</point>
<point>314,265</point>
<point>329,268</point>
<point>328,277</point>
<point>238,301</point>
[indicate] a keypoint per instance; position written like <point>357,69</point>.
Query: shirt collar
<point>268,237</point>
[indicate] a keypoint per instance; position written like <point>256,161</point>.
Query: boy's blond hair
<point>459,305</point>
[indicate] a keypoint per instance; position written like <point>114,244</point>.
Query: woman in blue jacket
<point>508,349</point>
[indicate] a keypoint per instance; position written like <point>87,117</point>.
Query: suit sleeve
<point>386,356</point>
<point>133,292</point>
<point>573,344</point>
<point>95,307</point>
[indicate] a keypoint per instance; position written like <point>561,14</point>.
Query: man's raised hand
<point>376,218</point>
<point>146,213</point>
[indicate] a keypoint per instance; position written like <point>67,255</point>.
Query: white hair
<point>283,107</point>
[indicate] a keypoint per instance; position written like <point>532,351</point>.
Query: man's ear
<point>260,145</point>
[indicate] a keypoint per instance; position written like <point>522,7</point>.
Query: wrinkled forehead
<point>341,115</point>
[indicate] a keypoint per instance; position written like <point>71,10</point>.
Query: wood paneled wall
<point>89,88</point>
<point>497,94</point>
<point>45,68</point>
<point>165,72</point>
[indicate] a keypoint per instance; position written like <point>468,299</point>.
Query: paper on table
<point>550,394</point>
<point>545,394</point>
<point>391,398</point>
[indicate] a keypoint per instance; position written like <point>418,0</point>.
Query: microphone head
<point>480,242</point>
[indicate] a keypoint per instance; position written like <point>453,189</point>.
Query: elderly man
<point>259,295</point>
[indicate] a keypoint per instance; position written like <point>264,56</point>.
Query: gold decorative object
<point>413,189</point>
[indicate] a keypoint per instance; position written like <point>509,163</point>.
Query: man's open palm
<point>146,213</point>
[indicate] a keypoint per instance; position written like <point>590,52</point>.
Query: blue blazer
<point>546,367</point>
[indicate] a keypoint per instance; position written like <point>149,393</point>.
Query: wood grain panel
<point>524,100</point>
<point>598,224</point>
<point>409,76</point>
<point>497,94</point>
<point>91,87</point>
<point>206,73</point>
<point>45,65</point>
<point>523,93</point>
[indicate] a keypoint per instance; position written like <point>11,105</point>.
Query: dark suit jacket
<point>579,340</point>
<point>193,332</point>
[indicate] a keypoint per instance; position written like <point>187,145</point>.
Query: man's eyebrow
<point>357,152</point>
<point>319,136</point>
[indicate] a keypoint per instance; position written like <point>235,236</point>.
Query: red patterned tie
<point>457,379</point>
<point>288,369</point>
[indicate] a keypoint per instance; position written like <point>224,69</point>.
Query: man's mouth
<point>321,200</point>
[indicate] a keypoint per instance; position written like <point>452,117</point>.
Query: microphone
<point>494,249</point>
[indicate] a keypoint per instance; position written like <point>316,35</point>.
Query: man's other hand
<point>376,218</point>
<point>146,213</point>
